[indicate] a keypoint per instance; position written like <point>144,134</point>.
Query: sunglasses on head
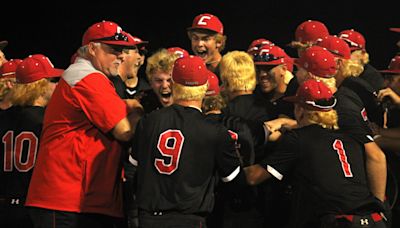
<point>54,80</point>
<point>116,37</point>
<point>266,57</point>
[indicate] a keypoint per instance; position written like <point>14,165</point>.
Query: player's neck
<point>190,103</point>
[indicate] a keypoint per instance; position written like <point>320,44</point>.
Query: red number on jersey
<point>172,151</point>
<point>13,152</point>
<point>338,146</point>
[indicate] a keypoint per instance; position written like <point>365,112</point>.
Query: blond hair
<point>213,103</point>
<point>350,68</point>
<point>360,55</point>
<point>162,60</point>
<point>188,93</point>
<point>237,71</point>
<point>219,38</point>
<point>327,119</point>
<point>27,94</point>
<point>4,88</point>
<point>329,82</point>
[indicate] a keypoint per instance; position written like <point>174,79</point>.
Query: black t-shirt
<point>20,130</point>
<point>178,154</point>
<point>329,166</point>
<point>150,101</point>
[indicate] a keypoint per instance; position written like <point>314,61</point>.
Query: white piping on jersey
<point>232,175</point>
<point>274,172</point>
<point>78,71</point>
<point>132,160</point>
<point>370,138</point>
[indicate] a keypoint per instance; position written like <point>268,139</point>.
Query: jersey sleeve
<point>96,96</point>
<point>227,158</point>
<point>282,159</point>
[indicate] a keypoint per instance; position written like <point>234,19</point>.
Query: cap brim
<point>3,44</point>
<point>117,43</point>
<point>394,29</point>
<point>55,73</point>
<point>390,71</point>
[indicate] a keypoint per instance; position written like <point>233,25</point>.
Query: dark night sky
<point>57,31</point>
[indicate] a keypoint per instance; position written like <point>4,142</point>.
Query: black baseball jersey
<point>249,107</point>
<point>373,77</point>
<point>352,116</point>
<point>328,166</point>
<point>150,101</point>
<point>368,96</point>
<point>20,129</point>
<point>178,153</point>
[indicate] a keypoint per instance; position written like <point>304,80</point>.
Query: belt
<point>168,212</point>
<point>376,217</point>
<point>17,201</point>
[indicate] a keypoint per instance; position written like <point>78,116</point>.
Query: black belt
<point>169,212</point>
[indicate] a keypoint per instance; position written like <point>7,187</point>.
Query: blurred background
<point>56,29</point>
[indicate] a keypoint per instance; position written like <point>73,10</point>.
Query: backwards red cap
<point>318,61</point>
<point>213,84</point>
<point>7,70</point>
<point>336,46</point>
<point>107,32</point>
<point>190,71</point>
<point>36,67</point>
<point>394,66</point>
<point>314,95</point>
<point>355,39</point>
<point>209,22</point>
<point>178,51</point>
<point>311,31</point>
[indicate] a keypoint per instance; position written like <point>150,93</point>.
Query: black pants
<point>44,218</point>
<point>170,220</point>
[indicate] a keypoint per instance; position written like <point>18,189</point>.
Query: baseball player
<point>207,39</point>
<point>21,127</point>
<point>7,81</point>
<point>3,58</point>
<point>178,154</point>
<point>331,188</point>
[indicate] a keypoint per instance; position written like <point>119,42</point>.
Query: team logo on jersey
<point>364,114</point>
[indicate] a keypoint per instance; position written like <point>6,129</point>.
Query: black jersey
<point>20,132</point>
<point>373,77</point>
<point>178,154</point>
<point>368,96</point>
<point>352,116</point>
<point>150,101</point>
<point>249,107</point>
<point>330,169</point>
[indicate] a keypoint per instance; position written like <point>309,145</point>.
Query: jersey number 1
<point>339,148</point>
<point>170,145</point>
<point>13,151</point>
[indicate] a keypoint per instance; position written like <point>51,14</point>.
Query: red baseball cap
<point>311,31</point>
<point>209,22</point>
<point>36,67</point>
<point>213,84</point>
<point>257,44</point>
<point>394,66</point>
<point>355,39</point>
<point>190,71</point>
<point>394,29</point>
<point>318,61</point>
<point>314,95</point>
<point>107,32</point>
<point>3,44</point>
<point>271,55</point>
<point>136,40</point>
<point>336,46</point>
<point>7,70</point>
<point>178,51</point>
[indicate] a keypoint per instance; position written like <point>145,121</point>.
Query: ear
<point>92,48</point>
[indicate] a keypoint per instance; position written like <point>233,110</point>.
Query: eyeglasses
<point>116,37</point>
<point>266,57</point>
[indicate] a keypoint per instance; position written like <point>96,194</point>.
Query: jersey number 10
<point>13,151</point>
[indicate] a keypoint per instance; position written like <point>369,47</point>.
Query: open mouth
<point>166,95</point>
<point>202,54</point>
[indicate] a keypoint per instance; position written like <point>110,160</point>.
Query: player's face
<point>205,46</point>
<point>161,82</point>
<point>266,78</point>
<point>132,62</point>
<point>106,58</point>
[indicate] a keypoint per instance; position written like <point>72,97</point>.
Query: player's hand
<point>388,92</point>
<point>134,105</point>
